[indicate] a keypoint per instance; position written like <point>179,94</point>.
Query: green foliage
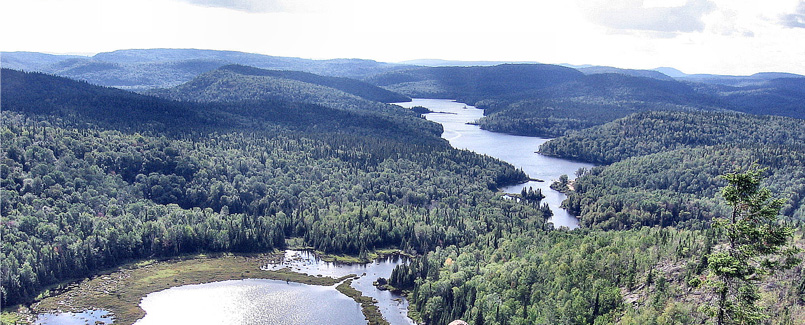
<point>666,166</point>
<point>93,177</point>
<point>586,102</point>
<point>237,82</point>
<point>755,246</point>
<point>680,187</point>
<point>86,105</point>
<point>601,98</point>
<point>776,95</point>
<point>159,68</point>
<point>470,84</point>
<point>538,277</point>
<point>80,196</point>
<point>652,132</point>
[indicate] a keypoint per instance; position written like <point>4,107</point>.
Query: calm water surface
<point>394,307</point>
<point>256,301</point>
<point>517,150</point>
<point>277,302</point>
<point>250,301</point>
<point>88,317</point>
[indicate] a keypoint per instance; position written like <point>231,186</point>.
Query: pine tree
<point>756,246</point>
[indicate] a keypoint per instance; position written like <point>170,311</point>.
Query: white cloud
<point>709,38</point>
<point>266,6</point>
<point>242,5</point>
<point>635,15</point>
<point>795,19</point>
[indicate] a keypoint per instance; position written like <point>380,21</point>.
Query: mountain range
<point>159,68</point>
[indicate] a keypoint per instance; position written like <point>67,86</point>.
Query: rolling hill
<point>158,68</point>
<point>255,84</point>
<point>473,83</point>
<point>95,177</point>
<point>83,103</point>
<point>662,167</point>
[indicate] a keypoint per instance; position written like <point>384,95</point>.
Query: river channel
<point>255,301</point>
<point>519,151</point>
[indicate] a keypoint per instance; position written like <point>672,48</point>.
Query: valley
<point>223,160</point>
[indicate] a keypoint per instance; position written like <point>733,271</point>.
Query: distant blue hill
<point>160,68</point>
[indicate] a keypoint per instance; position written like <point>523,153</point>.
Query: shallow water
<point>519,151</point>
<point>250,301</point>
<point>394,307</point>
<point>87,317</point>
<point>255,301</point>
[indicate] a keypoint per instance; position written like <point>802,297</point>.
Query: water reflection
<point>86,317</point>
<point>519,151</point>
<point>256,301</point>
<point>394,307</point>
<point>250,301</point>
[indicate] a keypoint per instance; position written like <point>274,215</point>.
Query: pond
<point>255,301</point>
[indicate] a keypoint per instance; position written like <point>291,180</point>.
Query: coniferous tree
<point>756,246</point>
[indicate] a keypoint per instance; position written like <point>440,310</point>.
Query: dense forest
<point>237,83</point>
<point>241,159</point>
<point>664,166</point>
<point>680,187</point>
<point>652,132</point>
<point>600,98</point>
<point>79,197</point>
<point>142,69</point>
<point>262,83</point>
<point>639,276</point>
<point>84,104</point>
<point>470,84</point>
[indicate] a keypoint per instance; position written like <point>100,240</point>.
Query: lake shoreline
<point>121,290</point>
<point>461,131</point>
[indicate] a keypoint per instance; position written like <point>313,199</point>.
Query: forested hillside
<point>153,68</point>
<point>593,100</point>
<point>470,84</point>
<point>781,96</point>
<point>640,276</point>
<point>629,72</point>
<point>680,187</point>
<point>652,132</point>
<point>756,79</point>
<point>664,166</point>
<point>81,103</point>
<point>350,86</point>
<point>239,83</point>
<point>241,159</point>
<point>81,194</point>
<point>600,98</point>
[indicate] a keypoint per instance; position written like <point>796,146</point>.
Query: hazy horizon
<point>413,61</point>
<point>694,36</point>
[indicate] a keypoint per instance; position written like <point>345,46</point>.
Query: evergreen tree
<point>756,246</point>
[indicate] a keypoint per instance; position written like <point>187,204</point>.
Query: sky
<point>738,37</point>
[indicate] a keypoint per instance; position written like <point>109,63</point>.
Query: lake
<point>250,301</point>
<point>256,301</point>
<point>519,151</point>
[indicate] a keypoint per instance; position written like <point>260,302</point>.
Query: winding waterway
<point>517,150</point>
<point>255,301</point>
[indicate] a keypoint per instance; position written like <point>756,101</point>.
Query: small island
<point>421,110</point>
